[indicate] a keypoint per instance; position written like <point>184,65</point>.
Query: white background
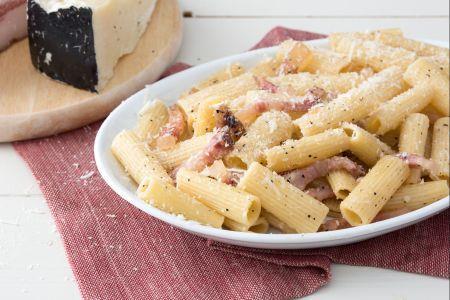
<point>32,260</point>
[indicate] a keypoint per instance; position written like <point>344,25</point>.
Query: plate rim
<point>250,238</point>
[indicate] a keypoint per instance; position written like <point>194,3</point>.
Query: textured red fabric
<point>119,252</point>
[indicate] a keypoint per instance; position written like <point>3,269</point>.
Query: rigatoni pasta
<point>168,198</point>
<point>301,82</point>
<point>260,226</point>
<point>355,133</point>
<point>150,120</point>
<point>231,202</point>
<point>366,146</point>
<point>342,183</point>
<point>269,130</point>
<point>415,196</point>
<point>170,159</point>
<point>372,53</point>
<point>354,105</point>
<point>425,71</point>
<point>440,149</point>
<point>413,137</point>
<point>276,223</point>
<point>327,62</point>
<point>299,153</point>
<point>374,190</point>
<point>392,113</point>
<point>282,199</point>
<point>136,158</point>
<point>227,89</point>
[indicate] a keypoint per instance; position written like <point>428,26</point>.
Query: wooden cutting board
<point>33,105</point>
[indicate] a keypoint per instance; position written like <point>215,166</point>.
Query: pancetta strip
<point>341,223</point>
<point>321,192</point>
<point>173,130</point>
<point>302,177</point>
<point>414,160</point>
<point>266,85</point>
<point>220,144</point>
<point>295,104</point>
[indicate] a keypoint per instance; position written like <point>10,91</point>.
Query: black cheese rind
<point>62,45</point>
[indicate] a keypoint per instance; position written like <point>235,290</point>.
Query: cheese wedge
<point>79,42</point>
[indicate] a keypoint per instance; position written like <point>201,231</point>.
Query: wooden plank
<point>379,8</point>
<point>57,107</point>
<point>218,37</point>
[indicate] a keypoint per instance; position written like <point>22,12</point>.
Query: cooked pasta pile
<point>309,140</point>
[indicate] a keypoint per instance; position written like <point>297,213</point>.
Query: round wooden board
<point>33,105</point>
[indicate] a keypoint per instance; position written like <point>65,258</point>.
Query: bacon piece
<point>266,85</point>
<point>295,104</point>
<point>233,177</point>
<point>302,177</point>
<point>384,215</point>
<point>173,130</point>
<point>322,192</point>
<point>334,224</point>
<point>341,223</point>
<point>220,144</point>
<point>414,160</point>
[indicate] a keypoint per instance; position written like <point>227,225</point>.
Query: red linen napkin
<point>119,252</point>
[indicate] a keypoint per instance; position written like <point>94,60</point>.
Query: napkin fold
<point>118,252</point>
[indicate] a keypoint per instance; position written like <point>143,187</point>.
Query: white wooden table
<point>32,260</point>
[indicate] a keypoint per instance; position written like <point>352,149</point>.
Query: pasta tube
<point>289,204</point>
<point>136,158</point>
<point>342,183</point>
<point>260,226</point>
<point>205,121</point>
<point>327,62</point>
<point>231,88</point>
<point>333,204</point>
<point>366,146</point>
<point>426,71</point>
<point>374,190</point>
<point>275,222</point>
<point>166,197</point>
<point>394,38</point>
<point>392,113</point>
<point>413,137</point>
<point>300,83</point>
<point>415,196</point>
<point>354,105</point>
<point>231,71</point>
<point>269,130</point>
<point>372,53</point>
<point>299,153</point>
<point>182,151</point>
<point>227,200</point>
<point>151,118</point>
<point>440,149</point>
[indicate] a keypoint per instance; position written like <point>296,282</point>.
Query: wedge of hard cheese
<point>79,42</point>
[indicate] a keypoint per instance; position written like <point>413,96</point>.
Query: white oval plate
<point>168,89</point>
